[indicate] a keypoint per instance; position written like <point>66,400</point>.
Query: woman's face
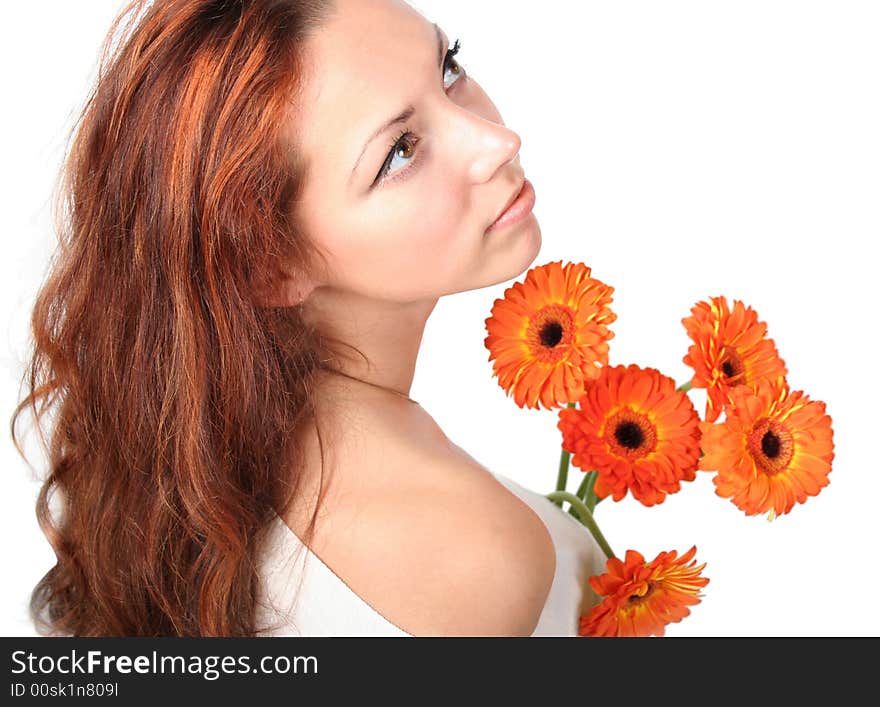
<point>401,210</point>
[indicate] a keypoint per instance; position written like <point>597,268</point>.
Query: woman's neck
<point>389,334</point>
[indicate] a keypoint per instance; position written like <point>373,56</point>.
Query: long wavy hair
<point>175,396</point>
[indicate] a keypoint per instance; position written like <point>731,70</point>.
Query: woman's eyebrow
<point>406,113</point>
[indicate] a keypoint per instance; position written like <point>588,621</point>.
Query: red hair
<point>174,395</point>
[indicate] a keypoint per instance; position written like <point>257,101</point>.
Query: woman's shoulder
<point>453,552</point>
<point>424,533</point>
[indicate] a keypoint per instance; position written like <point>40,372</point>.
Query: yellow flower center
<point>632,434</point>
<point>771,446</point>
<point>549,333</point>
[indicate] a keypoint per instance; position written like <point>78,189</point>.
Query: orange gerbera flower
<point>549,334</point>
<point>730,349</point>
<point>637,431</point>
<point>773,450</point>
<point>642,598</point>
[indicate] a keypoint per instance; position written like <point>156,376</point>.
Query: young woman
<point>266,198</point>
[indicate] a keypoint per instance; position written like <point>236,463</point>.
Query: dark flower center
<point>629,435</point>
<point>732,367</point>
<point>770,444</point>
<point>551,334</point>
<point>633,598</point>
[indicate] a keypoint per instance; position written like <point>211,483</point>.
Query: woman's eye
<point>455,67</point>
<point>404,146</point>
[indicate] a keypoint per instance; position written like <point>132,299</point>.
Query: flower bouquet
<point>632,430</point>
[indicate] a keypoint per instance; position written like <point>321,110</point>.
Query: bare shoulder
<point>423,533</point>
<point>453,553</point>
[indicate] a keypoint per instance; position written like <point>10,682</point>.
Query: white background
<point>681,150</point>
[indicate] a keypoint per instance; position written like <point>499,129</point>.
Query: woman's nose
<point>491,146</point>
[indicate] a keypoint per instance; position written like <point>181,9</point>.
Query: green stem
<point>585,485</point>
<point>685,387</point>
<point>562,477</point>
<point>590,500</point>
<point>585,492</point>
<point>585,517</point>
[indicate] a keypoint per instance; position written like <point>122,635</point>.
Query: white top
<point>326,606</point>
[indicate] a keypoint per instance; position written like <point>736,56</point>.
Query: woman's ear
<point>285,289</point>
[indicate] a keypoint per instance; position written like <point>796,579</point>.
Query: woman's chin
<point>530,245</point>
<point>518,252</point>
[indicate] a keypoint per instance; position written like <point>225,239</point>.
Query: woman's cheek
<point>428,221</point>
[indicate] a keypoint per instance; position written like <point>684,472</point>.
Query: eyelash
<point>380,178</point>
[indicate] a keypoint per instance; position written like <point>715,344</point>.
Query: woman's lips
<point>520,208</point>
